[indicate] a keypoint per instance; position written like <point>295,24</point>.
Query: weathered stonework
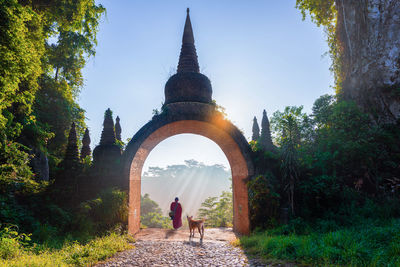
<point>72,153</point>
<point>188,108</point>
<point>196,118</point>
<point>265,137</point>
<point>188,84</point>
<point>86,151</point>
<point>256,130</point>
<point>107,152</point>
<point>118,129</point>
<point>107,156</point>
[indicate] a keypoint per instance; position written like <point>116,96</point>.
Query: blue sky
<point>258,55</point>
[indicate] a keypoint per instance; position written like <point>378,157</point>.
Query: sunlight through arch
<point>173,174</point>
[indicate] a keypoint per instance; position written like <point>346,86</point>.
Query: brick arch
<point>222,132</point>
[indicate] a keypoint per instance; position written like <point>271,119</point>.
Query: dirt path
<point>210,234</point>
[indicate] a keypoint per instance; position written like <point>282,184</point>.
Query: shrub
<point>105,212</point>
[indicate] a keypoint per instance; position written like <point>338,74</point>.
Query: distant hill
<point>192,182</point>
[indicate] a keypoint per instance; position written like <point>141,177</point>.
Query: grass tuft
<point>364,245</point>
<point>71,254</point>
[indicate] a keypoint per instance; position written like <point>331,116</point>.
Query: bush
<point>263,201</point>
<point>11,242</point>
<point>151,214</point>
<point>105,212</point>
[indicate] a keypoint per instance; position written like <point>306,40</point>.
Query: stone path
<point>160,247</point>
<point>180,253</point>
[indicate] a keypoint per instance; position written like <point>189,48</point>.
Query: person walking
<point>176,213</point>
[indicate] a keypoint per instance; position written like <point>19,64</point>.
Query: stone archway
<point>189,108</point>
<point>196,118</point>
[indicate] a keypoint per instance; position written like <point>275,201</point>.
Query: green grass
<point>368,244</point>
<point>15,252</point>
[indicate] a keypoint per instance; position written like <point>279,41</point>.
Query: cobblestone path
<point>162,247</point>
<point>181,253</point>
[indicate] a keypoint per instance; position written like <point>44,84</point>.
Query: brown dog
<point>193,224</point>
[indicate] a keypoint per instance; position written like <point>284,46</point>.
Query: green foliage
<point>368,244</point>
<point>15,174</point>
<point>11,242</point>
<point>15,251</point>
<point>38,75</point>
<point>264,200</point>
<point>218,211</point>
<point>334,155</point>
<point>55,108</point>
<point>43,48</point>
<point>151,214</point>
<point>105,212</point>
<point>324,13</point>
<point>291,125</point>
<point>219,108</point>
<point>21,50</point>
<point>155,220</point>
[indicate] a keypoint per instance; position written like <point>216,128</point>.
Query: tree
<point>21,51</point>
<point>361,37</point>
<point>218,211</point>
<point>292,127</point>
<point>40,79</point>
<point>151,214</point>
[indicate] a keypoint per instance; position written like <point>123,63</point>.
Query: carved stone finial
<point>188,57</point>
<point>118,129</point>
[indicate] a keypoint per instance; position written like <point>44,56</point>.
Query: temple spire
<point>188,57</point>
<point>72,152</point>
<point>256,130</point>
<point>117,129</point>
<point>108,133</point>
<point>86,151</point>
<point>265,137</point>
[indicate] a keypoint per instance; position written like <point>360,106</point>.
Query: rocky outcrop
<point>368,34</point>
<point>40,164</point>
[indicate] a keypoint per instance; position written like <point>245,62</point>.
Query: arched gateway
<point>189,108</point>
